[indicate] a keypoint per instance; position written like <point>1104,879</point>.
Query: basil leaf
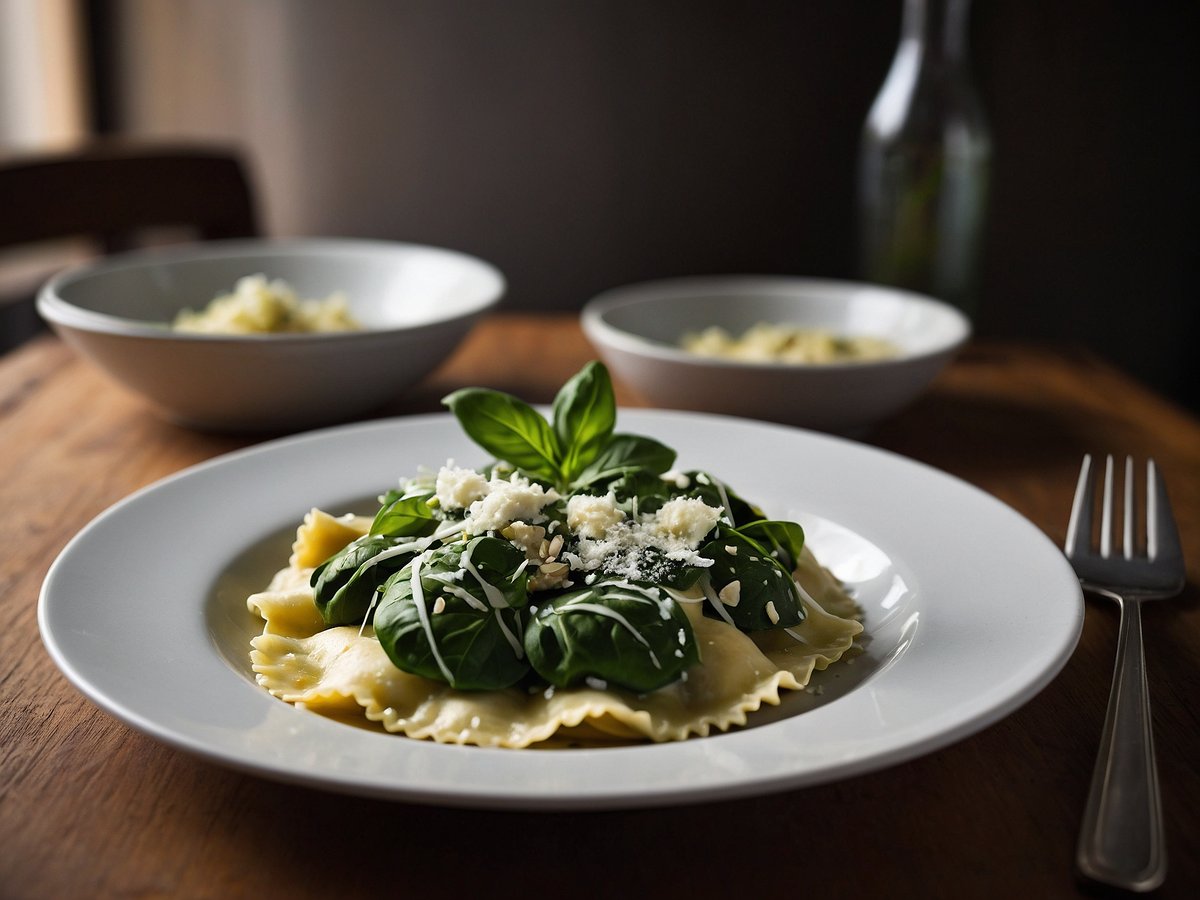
<point>765,595</point>
<point>344,585</point>
<point>631,635</point>
<point>405,515</point>
<point>508,428</point>
<point>473,641</point>
<point>584,414</point>
<point>783,540</point>
<point>623,453</point>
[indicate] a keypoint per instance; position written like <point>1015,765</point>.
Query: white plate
<point>969,609</point>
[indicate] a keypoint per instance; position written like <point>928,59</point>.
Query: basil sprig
<point>622,455</point>
<point>625,634</point>
<point>583,417</point>
<point>576,448</point>
<point>509,428</point>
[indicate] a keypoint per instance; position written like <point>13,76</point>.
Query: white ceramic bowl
<point>638,329</point>
<point>416,304</point>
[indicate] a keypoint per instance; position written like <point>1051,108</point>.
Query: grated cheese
<point>514,499</point>
<point>590,516</point>
<point>459,488</point>
<point>675,532</point>
<point>687,519</point>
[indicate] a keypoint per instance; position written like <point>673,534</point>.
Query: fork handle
<point>1121,841</point>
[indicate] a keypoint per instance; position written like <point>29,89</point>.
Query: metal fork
<point>1121,841</point>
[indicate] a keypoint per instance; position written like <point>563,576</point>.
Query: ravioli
<point>343,670</point>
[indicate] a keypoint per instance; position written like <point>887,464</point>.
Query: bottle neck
<point>939,28</point>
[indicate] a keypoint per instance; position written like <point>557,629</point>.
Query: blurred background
<point>583,144</point>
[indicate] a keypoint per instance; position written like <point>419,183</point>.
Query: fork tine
<point>1162,535</point>
<point>1080,523</point>
<point>1106,510</point>
<point>1130,528</point>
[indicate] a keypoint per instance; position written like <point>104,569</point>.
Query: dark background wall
<point>580,145</point>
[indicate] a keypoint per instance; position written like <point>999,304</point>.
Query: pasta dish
<point>578,589</point>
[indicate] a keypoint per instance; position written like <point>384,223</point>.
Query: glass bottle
<point>923,162</point>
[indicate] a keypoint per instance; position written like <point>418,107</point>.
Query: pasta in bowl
<point>578,590</point>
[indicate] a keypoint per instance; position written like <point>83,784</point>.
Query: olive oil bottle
<point>924,162</point>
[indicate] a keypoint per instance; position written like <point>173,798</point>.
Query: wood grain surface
<point>91,808</point>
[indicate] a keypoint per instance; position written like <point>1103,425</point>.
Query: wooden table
<point>91,808</point>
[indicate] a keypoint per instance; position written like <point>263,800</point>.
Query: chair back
<point>115,196</point>
<point>114,191</point>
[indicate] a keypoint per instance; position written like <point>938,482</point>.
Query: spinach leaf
<point>634,488</point>
<point>344,585</point>
<point>759,591</point>
<point>406,514</point>
<point>625,634</point>
<point>459,628</point>
<point>622,454</point>
<point>584,414</point>
<point>783,540</point>
<point>508,428</point>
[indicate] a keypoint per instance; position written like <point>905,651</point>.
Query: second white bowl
<point>638,330</point>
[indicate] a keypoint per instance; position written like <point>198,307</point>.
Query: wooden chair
<point>116,194</point>
<point>113,191</point>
